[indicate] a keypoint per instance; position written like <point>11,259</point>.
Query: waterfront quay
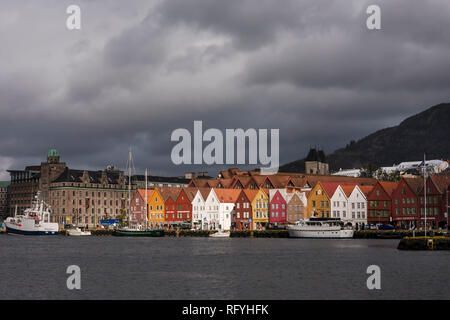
<point>359,234</point>
<point>235,200</point>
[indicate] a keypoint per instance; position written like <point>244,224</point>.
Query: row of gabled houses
<point>247,200</point>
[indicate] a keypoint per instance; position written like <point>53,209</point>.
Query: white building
<point>226,198</point>
<point>357,206</point>
<point>214,209</point>
<point>349,204</point>
<point>199,214</point>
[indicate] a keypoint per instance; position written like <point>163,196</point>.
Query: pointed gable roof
<point>204,192</point>
<point>251,194</point>
<point>366,189</point>
<point>167,192</point>
<point>441,182</point>
<point>330,187</point>
<point>348,189</point>
<point>388,186</point>
<point>190,192</point>
<point>416,184</point>
<point>142,193</point>
<point>227,195</point>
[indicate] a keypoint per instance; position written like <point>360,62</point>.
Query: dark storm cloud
<point>137,71</point>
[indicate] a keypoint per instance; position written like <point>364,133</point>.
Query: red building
<point>436,205</point>
<point>380,202</point>
<point>169,196</point>
<point>277,207</point>
<point>183,205</point>
<point>405,203</point>
<point>242,217</point>
<point>137,212</point>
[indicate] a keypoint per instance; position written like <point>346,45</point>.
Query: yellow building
<point>318,202</point>
<point>156,209</point>
<point>260,210</point>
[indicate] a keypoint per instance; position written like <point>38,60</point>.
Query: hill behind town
<point>426,132</point>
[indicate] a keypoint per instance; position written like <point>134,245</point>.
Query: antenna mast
<point>146,214</point>
<point>131,170</point>
<point>425,191</point>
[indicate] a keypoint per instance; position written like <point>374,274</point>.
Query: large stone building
<point>4,199</point>
<point>83,197</point>
<point>315,162</point>
<point>75,196</point>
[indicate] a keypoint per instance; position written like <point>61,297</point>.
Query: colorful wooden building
<point>138,210</point>
<point>260,210</point>
<point>277,207</point>
<point>318,202</point>
<point>380,202</point>
<point>436,205</point>
<point>405,203</point>
<point>242,216</point>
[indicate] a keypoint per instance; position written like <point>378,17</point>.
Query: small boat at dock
<point>128,232</point>
<point>220,234</point>
<point>77,231</point>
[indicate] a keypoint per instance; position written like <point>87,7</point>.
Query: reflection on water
<point>204,268</point>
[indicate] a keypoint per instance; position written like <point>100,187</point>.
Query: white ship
<point>321,228</point>
<point>33,221</point>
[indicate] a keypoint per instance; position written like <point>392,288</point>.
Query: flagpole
<point>425,192</point>
<point>146,214</point>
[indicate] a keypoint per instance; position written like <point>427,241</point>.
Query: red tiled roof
<point>441,182</point>
<point>190,192</point>
<point>330,187</point>
<point>142,193</point>
<point>204,192</point>
<point>416,184</point>
<point>366,189</point>
<point>167,192</point>
<point>227,195</point>
<point>348,189</point>
<point>388,186</point>
<point>251,194</point>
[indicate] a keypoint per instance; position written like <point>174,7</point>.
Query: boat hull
<point>77,233</point>
<point>321,234</point>
<point>138,233</point>
<point>18,231</point>
<point>220,235</point>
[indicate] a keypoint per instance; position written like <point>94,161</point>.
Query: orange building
<point>318,202</point>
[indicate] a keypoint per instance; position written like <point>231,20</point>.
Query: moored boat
<point>138,233</point>
<point>320,228</point>
<point>77,231</point>
<point>33,221</point>
<point>220,234</point>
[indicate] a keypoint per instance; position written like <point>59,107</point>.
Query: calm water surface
<point>204,268</point>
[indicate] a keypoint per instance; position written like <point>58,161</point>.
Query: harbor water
<point>207,268</point>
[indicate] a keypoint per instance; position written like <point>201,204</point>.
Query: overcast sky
<point>137,70</point>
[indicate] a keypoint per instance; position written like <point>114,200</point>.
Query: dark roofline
<point>160,179</point>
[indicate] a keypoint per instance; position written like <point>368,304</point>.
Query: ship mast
<point>425,192</point>
<point>146,214</point>
<point>130,167</point>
